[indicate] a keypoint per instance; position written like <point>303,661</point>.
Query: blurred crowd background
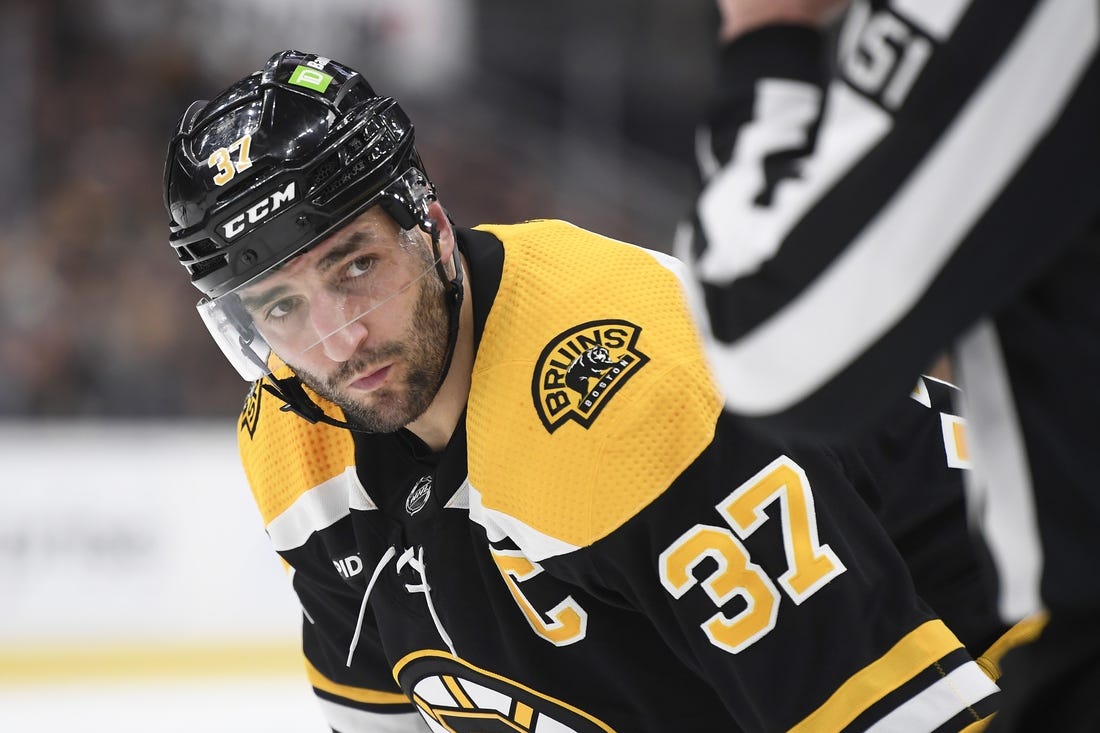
<point>573,109</point>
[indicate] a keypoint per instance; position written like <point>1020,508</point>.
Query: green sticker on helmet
<point>304,76</point>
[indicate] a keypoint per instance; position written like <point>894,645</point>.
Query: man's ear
<point>446,232</point>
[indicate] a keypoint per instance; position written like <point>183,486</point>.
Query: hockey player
<point>928,182</point>
<point>497,467</point>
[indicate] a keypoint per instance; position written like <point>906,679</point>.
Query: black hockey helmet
<point>279,160</point>
<point>274,164</point>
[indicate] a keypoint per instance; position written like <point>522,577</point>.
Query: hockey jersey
<point>598,548</point>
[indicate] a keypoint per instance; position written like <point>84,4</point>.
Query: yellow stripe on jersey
<point>917,650</point>
<point>979,725</point>
<point>285,456</point>
<point>1022,632</point>
<point>457,692</point>
<point>358,694</point>
<point>571,465</point>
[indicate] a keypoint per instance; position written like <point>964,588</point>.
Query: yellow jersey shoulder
<point>590,391</point>
<point>285,456</point>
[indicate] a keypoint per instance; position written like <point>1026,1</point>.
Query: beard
<point>393,406</point>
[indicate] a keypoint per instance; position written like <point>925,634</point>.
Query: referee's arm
<point>863,207</point>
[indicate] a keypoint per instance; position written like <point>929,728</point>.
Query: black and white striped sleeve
<point>860,210</point>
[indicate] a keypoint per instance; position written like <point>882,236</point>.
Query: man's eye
<point>359,266</point>
<point>280,309</point>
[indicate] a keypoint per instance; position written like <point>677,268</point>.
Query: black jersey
<point>599,547</point>
<point>929,182</point>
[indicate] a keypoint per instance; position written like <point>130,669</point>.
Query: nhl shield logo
<point>581,369</point>
<point>418,497</point>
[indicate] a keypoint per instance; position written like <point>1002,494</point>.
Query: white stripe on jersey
<point>320,507</point>
<point>352,720</point>
<point>999,487</point>
<point>535,545</point>
<point>920,393</point>
<point>939,702</point>
<point>741,235</point>
<point>883,273</point>
<point>461,498</point>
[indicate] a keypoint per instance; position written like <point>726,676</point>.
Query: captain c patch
<point>581,369</point>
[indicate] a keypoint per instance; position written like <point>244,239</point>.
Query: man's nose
<point>338,328</point>
<point>344,342</point>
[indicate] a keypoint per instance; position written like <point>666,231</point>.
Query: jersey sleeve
<point>868,197</point>
<point>767,574</point>
<point>915,466</point>
<point>345,665</point>
<point>297,472</point>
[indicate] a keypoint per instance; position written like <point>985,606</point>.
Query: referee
<point>923,178</point>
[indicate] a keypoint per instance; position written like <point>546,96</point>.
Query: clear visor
<point>298,311</point>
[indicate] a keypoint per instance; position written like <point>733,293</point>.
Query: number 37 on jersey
<point>810,564</point>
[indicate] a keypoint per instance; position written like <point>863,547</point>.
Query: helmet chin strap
<point>291,391</point>
<point>452,295</point>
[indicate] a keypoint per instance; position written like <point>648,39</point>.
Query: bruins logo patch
<point>581,369</point>
<point>250,413</point>
<point>456,696</point>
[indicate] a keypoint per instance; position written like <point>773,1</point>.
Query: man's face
<point>362,320</point>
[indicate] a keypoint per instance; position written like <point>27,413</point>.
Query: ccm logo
<point>257,211</point>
